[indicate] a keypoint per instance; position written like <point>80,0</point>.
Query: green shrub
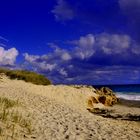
<point>27,76</point>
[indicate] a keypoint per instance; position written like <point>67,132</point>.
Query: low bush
<point>27,76</point>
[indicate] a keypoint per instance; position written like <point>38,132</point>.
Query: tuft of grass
<point>4,115</point>
<point>13,121</point>
<point>27,76</point>
<point>7,103</point>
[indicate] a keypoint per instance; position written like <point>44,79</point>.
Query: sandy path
<point>59,114</point>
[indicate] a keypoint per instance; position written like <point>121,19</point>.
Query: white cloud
<point>87,41</point>
<point>8,57</point>
<point>63,11</point>
<point>85,46</point>
<point>66,56</point>
<point>43,64</point>
<point>63,72</point>
<point>62,53</point>
<point>113,43</point>
<point>47,67</point>
<point>106,50</point>
<point>66,63</point>
<point>30,58</point>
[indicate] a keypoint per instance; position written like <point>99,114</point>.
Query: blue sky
<point>73,42</point>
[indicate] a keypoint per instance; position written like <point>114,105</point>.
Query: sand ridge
<point>59,113</point>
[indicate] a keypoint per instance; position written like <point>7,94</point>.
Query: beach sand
<point>59,113</point>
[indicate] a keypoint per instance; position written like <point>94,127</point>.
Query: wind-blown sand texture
<point>59,113</point>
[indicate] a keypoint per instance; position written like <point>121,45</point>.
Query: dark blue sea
<point>129,92</point>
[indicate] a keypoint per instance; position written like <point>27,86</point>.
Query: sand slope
<point>59,112</point>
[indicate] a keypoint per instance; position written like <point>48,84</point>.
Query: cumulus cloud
<point>104,43</point>
<point>113,43</point>
<point>66,56</point>
<point>39,62</point>
<point>8,57</point>
<point>46,67</point>
<point>85,46</point>
<point>30,58</point>
<point>85,55</point>
<point>62,11</point>
<point>63,72</point>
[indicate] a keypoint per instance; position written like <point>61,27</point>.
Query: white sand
<point>59,112</point>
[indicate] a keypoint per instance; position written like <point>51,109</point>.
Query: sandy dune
<point>59,112</point>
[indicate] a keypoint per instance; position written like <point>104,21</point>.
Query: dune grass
<point>7,103</point>
<point>27,76</point>
<point>12,122</point>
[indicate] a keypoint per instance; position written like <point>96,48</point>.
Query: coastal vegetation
<point>12,121</point>
<point>26,75</point>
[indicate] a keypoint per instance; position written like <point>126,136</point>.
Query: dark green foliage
<point>27,76</point>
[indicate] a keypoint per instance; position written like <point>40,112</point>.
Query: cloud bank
<point>90,57</point>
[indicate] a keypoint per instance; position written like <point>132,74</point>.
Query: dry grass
<point>12,122</point>
<point>27,76</point>
<point>7,103</point>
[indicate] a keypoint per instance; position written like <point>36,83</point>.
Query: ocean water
<point>129,92</point>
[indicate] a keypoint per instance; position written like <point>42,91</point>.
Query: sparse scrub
<point>7,103</point>
<point>27,76</point>
<point>12,121</point>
